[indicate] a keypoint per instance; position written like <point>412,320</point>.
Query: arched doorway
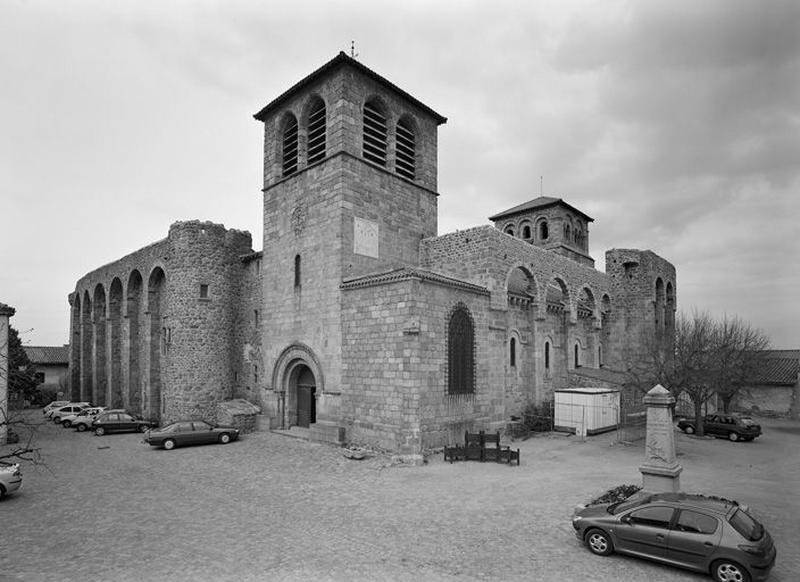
<point>304,386</point>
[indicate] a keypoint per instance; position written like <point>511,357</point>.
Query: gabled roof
<point>341,60</point>
<point>47,354</point>
<point>540,202</point>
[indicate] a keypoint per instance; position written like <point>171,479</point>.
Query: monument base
<point>657,479</point>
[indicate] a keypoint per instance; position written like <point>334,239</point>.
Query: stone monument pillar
<point>660,471</point>
<point>5,313</point>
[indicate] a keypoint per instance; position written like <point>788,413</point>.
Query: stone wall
<point>154,331</point>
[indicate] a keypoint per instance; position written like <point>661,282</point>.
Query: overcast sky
<point>674,124</point>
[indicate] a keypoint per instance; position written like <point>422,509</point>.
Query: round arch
<point>298,378</point>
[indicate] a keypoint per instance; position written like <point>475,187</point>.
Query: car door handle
<point>708,545</point>
<point>659,536</point>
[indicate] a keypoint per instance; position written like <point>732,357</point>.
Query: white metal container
<point>586,410</point>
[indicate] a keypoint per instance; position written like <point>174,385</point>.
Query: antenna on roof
<point>541,185</point>
<point>353,53</point>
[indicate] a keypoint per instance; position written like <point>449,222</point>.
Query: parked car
<point>118,421</point>
<point>701,533</point>
<point>83,418</point>
<point>730,426</point>
<point>190,432</point>
<point>54,404</point>
<point>72,408</point>
<point>10,478</point>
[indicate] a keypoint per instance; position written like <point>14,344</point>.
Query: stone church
<point>358,320</point>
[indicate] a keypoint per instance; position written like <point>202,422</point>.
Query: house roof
<point>342,60</point>
<point>779,367</point>
<point>540,202</point>
<point>48,354</point>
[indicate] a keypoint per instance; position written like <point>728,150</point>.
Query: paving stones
<point>273,508</point>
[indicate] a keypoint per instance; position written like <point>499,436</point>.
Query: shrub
<point>539,417</point>
<point>618,493</point>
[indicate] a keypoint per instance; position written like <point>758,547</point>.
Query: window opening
<point>547,356</point>
<point>203,291</point>
<point>374,134</point>
<point>544,232</point>
<point>297,271</point>
<point>290,146</point>
<point>255,316</point>
<point>510,231</point>
<point>577,361</point>
<point>405,164</point>
<point>316,132</point>
<point>526,232</point>
<point>512,352</point>
<point>460,353</point>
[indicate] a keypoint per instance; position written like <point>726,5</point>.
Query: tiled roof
<point>540,202</point>
<point>779,367</point>
<point>48,354</point>
<point>338,60</point>
<point>406,273</point>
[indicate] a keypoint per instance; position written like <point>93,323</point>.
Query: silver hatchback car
<point>701,533</point>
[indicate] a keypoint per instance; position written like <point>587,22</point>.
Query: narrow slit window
<point>405,162</point>
<point>512,352</point>
<point>547,356</point>
<point>290,146</point>
<point>316,132</point>
<point>203,291</point>
<point>297,271</point>
<point>374,134</point>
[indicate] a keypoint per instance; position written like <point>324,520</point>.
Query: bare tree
<point>17,372</point>
<point>705,357</point>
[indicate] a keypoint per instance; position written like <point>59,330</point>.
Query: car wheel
<point>599,543</point>
<point>66,424</point>
<point>99,431</point>
<point>733,437</point>
<point>224,438</point>
<point>57,419</point>
<point>169,444</point>
<point>143,428</point>
<point>81,427</point>
<point>689,430</point>
<point>727,571</point>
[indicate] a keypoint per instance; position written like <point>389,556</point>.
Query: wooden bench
<point>483,447</point>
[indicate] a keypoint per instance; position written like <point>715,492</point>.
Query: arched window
<point>297,271</point>
<point>460,352</point>
<point>374,133</point>
<point>526,232</point>
<point>406,161</point>
<point>316,131</point>
<point>290,145</point>
<point>577,359</point>
<point>509,230</point>
<point>544,233</point>
<point>512,352</point>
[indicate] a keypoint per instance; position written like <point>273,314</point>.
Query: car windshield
<point>746,525</point>
<point>620,506</point>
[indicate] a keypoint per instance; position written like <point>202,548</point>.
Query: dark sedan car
<point>705,534</point>
<point>729,426</point>
<point>190,432</point>
<point>118,421</point>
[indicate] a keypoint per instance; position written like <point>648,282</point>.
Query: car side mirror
<point>625,519</point>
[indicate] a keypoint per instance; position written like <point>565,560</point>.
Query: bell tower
<point>350,187</point>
